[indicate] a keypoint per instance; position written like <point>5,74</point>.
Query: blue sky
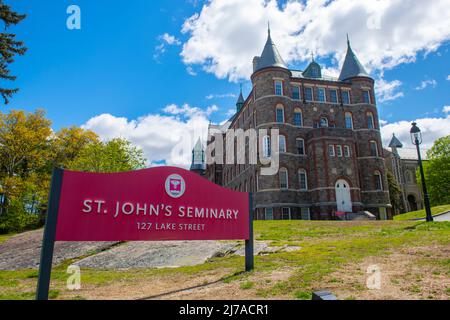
<point>133,60</point>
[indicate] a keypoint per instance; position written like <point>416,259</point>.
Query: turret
<point>270,57</point>
<point>352,68</point>
<point>394,144</point>
<point>198,159</point>
<point>240,102</point>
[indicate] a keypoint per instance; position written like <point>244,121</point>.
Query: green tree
<point>395,194</point>
<point>116,155</point>
<point>437,172</point>
<point>9,47</point>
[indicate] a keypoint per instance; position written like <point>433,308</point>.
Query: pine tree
<point>9,47</point>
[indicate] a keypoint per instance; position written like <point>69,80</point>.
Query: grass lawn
<point>4,237</point>
<point>326,255</point>
<point>420,214</point>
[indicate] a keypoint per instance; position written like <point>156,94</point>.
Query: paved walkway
<point>443,217</point>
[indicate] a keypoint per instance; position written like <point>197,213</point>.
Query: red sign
<point>162,203</point>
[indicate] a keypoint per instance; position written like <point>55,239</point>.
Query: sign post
<point>48,242</point>
<point>249,253</point>
<point>163,203</point>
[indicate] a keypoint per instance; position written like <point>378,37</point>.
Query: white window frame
<point>300,172</point>
<point>331,148</point>
<point>278,82</point>
<point>267,152</point>
<point>368,96</point>
<point>380,180</point>
<point>285,171</point>
<point>349,97</point>
<point>339,151</point>
<point>289,212</point>
<point>337,96</point>
<point>347,152</point>
<point>369,115</point>
<point>351,120</point>
<point>320,122</point>
<point>299,92</point>
<point>282,142</point>
<point>266,213</point>
<point>296,145</point>
<point>324,94</point>
<point>298,111</point>
<point>312,93</point>
<point>308,213</point>
<point>279,107</point>
<point>371,142</point>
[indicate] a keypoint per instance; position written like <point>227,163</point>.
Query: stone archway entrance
<point>343,196</point>
<point>412,203</point>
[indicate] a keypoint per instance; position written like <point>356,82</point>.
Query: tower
<point>198,164</point>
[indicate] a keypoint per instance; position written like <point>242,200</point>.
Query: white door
<point>343,198</point>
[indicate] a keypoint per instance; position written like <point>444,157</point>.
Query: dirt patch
<point>408,274</point>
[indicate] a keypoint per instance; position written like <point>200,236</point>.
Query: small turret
<point>240,102</point>
<point>394,144</point>
<point>198,159</point>
<point>270,57</point>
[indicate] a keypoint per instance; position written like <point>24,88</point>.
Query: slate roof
<point>352,67</point>
<point>270,57</point>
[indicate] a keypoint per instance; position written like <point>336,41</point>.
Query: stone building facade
<point>403,164</point>
<point>330,148</point>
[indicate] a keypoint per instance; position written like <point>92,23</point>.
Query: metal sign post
<point>48,242</point>
<point>249,254</point>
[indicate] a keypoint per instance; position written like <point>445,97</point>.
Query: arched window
<point>323,122</point>
<point>280,114</point>
<point>300,146</point>
<point>370,121</point>
<point>378,180</point>
<point>281,143</point>
<point>283,175</point>
<point>348,120</point>
<point>373,148</point>
<point>302,179</point>
<point>266,147</point>
<point>298,119</point>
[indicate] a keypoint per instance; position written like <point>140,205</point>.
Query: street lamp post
<point>416,138</point>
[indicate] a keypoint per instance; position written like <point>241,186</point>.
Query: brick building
<point>330,151</point>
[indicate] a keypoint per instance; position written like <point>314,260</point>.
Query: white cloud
<point>426,83</point>
<point>448,77</point>
<point>431,128</point>
<point>446,109</point>
<point>169,39</point>
<point>220,96</point>
<point>165,40</point>
<point>225,35</point>
<point>387,91</point>
<point>191,71</point>
<point>167,137</point>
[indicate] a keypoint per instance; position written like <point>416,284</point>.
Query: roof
<point>198,146</point>
<point>395,143</point>
<point>411,154</point>
<point>352,67</point>
<point>300,74</point>
<point>313,71</point>
<point>270,57</point>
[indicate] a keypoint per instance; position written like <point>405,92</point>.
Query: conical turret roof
<point>395,143</point>
<point>270,57</point>
<point>352,67</point>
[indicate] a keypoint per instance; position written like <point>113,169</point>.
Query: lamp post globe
<point>416,139</point>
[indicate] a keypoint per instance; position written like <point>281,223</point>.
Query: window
<point>348,120</point>
<point>373,149</point>
<point>280,114</point>
<point>339,151</point>
<point>370,123</point>
<point>378,181</point>
<point>303,183</point>
<point>345,97</point>
<point>305,214</point>
<point>279,88</point>
<point>296,92</point>
<point>366,96</point>
<point>283,178</point>
<point>266,147</point>
<point>347,151</point>
<point>323,122</point>
<point>300,146</point>
<point>308,94</point>
<point>331,151</point>
<point>268,214</point>
<point>321,95</point>
<point>298,117</point>
<point>281,144</point>
<point>286,213</point>
<point>333,96</point>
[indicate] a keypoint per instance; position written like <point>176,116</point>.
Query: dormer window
<point>279,88</point>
